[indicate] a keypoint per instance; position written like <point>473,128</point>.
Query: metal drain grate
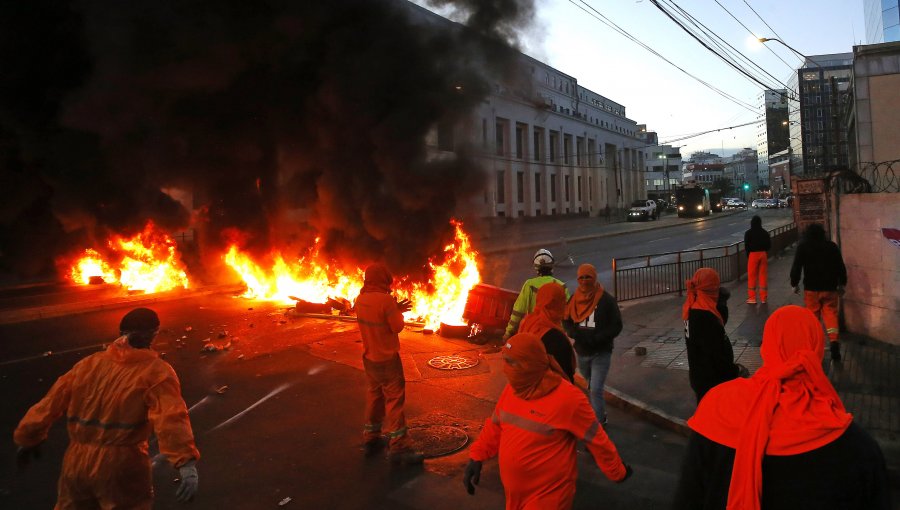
<point>452,362</point>
<point>438,440</point>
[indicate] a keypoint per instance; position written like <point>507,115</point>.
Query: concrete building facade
<point>771,130</point>
<point>874,104</point>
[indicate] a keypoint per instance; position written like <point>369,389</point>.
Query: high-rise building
<point>882,20</point>
<point>818,140</point>
<point>771,130</point>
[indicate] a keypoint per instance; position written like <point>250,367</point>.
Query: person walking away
<point>535,427</point>
<point>546,322</point>
<point>543,264</point>
<point>593,320</point>
<point>380,319</point>
<point>710,355</point>
<point>820,263</point>
<point>781,440</point>
<point>757,243</point>
<point>113,400</point>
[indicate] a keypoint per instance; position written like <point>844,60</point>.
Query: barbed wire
<point>870,177</point>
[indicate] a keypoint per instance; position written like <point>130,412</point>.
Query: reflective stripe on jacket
<point>379,322</point>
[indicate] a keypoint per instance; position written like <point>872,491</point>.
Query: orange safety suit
<point>380,320</point>
<point>536,441</point>
<point>758,273</point>
<point>113,400</point>
<point>826,304</point>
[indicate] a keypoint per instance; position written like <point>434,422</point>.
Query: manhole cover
<point>452,362</point>
<point>437,440</point>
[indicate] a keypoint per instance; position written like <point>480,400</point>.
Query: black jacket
<point>821,264</point>
<point>596,333</point>
<point>847,474</point>
<point>710,356</point>
<point>557,344</point>
<point>757,239</point>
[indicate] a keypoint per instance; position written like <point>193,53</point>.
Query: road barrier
<point>665,273</point>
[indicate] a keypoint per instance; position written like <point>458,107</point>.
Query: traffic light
<point>746,186</point>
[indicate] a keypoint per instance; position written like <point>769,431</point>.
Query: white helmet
<point>543,259</point>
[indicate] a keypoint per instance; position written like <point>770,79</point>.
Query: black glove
<point>472,475</point>
<point>628,473</point>
<point>404,305</point>
<point>24,455</point>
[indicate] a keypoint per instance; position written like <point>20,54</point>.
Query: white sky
<point>661,96</point>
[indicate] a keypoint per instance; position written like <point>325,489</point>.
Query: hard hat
<point>543,258</point>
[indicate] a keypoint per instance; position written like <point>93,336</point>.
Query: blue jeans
<point>594,369</point>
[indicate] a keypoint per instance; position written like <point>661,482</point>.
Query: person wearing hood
<point>113,400</point>
<point>546,322</point>
<point>757,243</point>
<point>593,320</point>
<point>543,264</point>
<point>710,355</point>
<point>820,263</point>
<point>781,439</point>
<point>535,427</point>
<point>380,320</point>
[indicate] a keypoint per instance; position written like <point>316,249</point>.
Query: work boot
<point>373,446</point>
<point>406,457</point>
<point>835,351</point>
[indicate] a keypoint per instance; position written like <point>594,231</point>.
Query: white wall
<point>872,301</point>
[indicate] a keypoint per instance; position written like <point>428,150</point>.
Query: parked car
<point>782,202</point>
<point>758,203</point>
<point>642,210</point>
<point>735,203</point>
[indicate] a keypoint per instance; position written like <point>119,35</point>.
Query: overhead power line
<point>773,31</point>
<point>594,13</point>
<point>695,135</point>
<point>751,32</point>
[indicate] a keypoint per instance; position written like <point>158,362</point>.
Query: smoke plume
<point>282,121</point>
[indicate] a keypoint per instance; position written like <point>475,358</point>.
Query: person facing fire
<point>535,428</point>
<point>113,400</point>
<point>546,322</point>
<point>380,319</point>
<point>543,264</point>
<point>757,243</point>
<point>824,277</point>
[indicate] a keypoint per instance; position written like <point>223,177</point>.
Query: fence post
<point>615,280</point>
<point>680,279</point>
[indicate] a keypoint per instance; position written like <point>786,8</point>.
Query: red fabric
<point>702,293</point>
<point>788,407</point>
<point>824,304</point>
<point>758,274</point>
<point>549,309</point>
<point>587,295</point>
<point>531,372</point>
<point>536,441</point>
<point>108,466</point>
<point>377,279</point>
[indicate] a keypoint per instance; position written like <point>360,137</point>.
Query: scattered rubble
<point>284,501</point>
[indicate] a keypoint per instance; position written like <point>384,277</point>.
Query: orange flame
<point>442,299</point>
<point>147,261</point>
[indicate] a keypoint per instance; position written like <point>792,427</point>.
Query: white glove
<point>187,489</point>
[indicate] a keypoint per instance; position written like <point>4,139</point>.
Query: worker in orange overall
<point>535,428</point>
<point>757,243</point>
<point>113,400</point>
<point>380,319</point>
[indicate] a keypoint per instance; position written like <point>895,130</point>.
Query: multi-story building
<point>772,130</point>
<point>780,173</point>
<point>882,18</point>
<point>816,134</point>
<point>742,168</point>
<point>703,168</point>
<point>873,105</point>
<point>662,170</point>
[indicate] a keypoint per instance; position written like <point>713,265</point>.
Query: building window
<point>553,189</point>
<point>538,138</point>
<point>520,187</point>
<point>520,141</point>
<point>567,188</point>
<point>537,188</point>
<point>501,195</point>
<point>567,149</point>
<point>579,188</point>
<point>500,138</point>
<point>554,145</point>
<point>590,189</point>
<point>579,150</point>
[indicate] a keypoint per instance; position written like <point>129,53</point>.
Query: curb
<point>47,312</point>
<point>538,244</point>
<point>643,410</point>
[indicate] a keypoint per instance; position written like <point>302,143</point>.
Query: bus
<point>692,201</point>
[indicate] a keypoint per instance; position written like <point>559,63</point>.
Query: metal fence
<point>665,273</point>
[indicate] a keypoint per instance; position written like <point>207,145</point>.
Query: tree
<point>724,184</point>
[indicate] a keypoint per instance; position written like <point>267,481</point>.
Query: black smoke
<point>260,109</point>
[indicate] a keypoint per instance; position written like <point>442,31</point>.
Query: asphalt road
<point>279,414</point>
<point>510,268</point>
